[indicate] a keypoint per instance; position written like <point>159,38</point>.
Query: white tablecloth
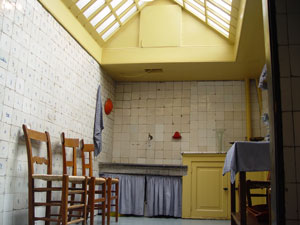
<point>247,156</point>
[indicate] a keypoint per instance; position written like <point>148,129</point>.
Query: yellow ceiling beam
<point>168,55</point>
<point>65,17</point>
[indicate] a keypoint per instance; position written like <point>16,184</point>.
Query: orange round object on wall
<point>108,106</point>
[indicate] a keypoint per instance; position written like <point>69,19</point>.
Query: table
<point>244,157</point>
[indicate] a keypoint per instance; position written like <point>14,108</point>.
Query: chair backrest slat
<point>89,148</point>
<point>36,135</point>
<point>39,160</point>
<point>73,144</point>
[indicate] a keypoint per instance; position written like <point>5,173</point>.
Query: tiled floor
<point>162,221</point>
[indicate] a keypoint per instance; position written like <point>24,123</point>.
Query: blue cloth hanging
<point>98,125</point>
<point>263,79</point>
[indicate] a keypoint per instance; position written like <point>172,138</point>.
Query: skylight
<point>216,13</point>
<point>107,16</point>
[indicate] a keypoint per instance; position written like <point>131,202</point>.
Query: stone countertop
<point>143,169</point>
<point>203,153</point>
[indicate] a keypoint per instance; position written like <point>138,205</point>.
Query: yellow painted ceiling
<point>164,40</point>
<point>202,55</point>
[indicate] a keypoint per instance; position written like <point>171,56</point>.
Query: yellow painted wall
<point>199,43</point>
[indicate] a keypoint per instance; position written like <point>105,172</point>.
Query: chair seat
<point>51,177</point>
<point>114,181</point>
<point>261,212</point>
<point>99,180</point>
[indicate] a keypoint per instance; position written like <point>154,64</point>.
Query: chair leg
<point>83,197</point>
<point>92,199</point>
<point>103,208</point>
<point>117,201</point>
<point>64,200</point>
<point>48,199</point>
<point>30,202</point>
<point>108,199</point>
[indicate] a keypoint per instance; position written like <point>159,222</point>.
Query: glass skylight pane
<point>218,19</point>
<point>104,12</point>
<point>223,4</point>
<point>81,3</point>
<point>218,28</point>
<point>114,3</point>
<point>218,11</point>
<point>180,2</point>
<point>197,5</point>
<point>128,14</point>
<point>106,23</point>
<point>194,11</point>
<point>124,7</point>
<point>202,1</point>
<point>97,4</point>
<point>141,2</point>
<point>110,31</point>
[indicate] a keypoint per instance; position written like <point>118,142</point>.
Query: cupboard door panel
<point>209,197</point>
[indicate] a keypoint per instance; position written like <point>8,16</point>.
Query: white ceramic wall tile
<point>33,68</point>
<point>284,61</point>
<point>297,128</point>
<point>288,19</point>
<point>291,203</point>
<point>290,169</point>
<point>195,109</point>
<point>286,94</point>
<point>287,129</point>
<point>293,32</point>
<point>294,58</point>
<point>282,33</point>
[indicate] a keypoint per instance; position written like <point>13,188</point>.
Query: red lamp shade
<point>176,135</point>
<point>108,106</point>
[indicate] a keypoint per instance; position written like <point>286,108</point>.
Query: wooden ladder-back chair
<point>111,194</point>
<point>73,144</point>
<point>92,181</point>
<point>261,211</point>
<point>49,178</point>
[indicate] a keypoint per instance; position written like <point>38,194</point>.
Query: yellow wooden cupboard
<point>205,191</point>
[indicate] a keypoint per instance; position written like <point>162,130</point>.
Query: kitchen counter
<point>203,153</point>
<point>143,169</point>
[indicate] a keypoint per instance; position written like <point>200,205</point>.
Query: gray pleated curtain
<point>162,194</point>
<point>131,193</point>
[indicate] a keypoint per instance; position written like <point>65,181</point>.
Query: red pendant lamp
<point>108,106</point>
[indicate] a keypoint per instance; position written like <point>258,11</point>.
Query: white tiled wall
<point>288,22</point>
<point>48,82</point>
<point>195,109</point>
